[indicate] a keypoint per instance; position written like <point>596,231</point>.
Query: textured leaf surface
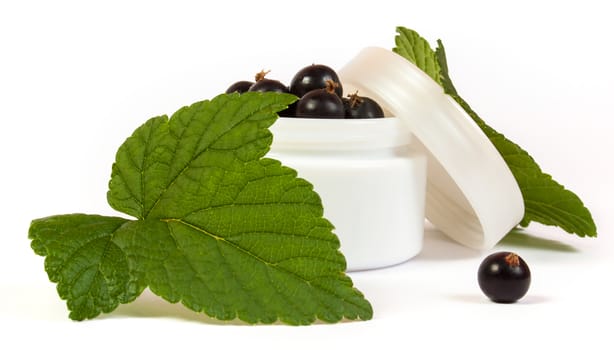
<point>221,229</point>
<point>91,271</point>
<point>546,201</point>
<point>416,49</point>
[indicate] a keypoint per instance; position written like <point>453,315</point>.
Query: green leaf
<point>444,76</point>
<point>546,201</point>
<point>134,189</point>
<point>274,272</point>
<point>413,47</point>
<point>91,271</point>
<point>221,229</point>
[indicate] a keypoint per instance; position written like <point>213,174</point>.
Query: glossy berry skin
<point>269,85</point>
<point>290,112</point>
<point>320,104</point>
<point>314,77</point>
<point>240,87</point>
<point>362,107</point>
<point>504,277</point>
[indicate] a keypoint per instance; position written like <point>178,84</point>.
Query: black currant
<point>240,87</point>
<point>504,277</point>
<point>290,111</point>
<point>361,107</point>
<point>314,77</point>
<point>321,103</point>
<point>263,84</point>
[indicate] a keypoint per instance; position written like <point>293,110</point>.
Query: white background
<point>77,77</point>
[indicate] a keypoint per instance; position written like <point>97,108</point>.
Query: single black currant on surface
<point>361,107</point>
<point>314,77</point>
<point>263,84</point>
<point>504,277</point>
<point>321,103</point>
<point>240,86</point>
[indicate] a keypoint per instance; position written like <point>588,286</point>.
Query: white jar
<point>370,178</point>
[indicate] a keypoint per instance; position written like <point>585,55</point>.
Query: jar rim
<point>339,134</point>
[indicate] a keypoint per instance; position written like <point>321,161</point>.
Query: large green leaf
<point>221,229</point>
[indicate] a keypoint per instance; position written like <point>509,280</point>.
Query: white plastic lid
<point>471,194</point>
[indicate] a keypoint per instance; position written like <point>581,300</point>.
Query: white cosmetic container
<point>371,180</point>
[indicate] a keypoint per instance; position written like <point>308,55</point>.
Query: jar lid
<point>471,195</point>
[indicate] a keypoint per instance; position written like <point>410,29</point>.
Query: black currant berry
<point>290,112</point>
<point>321,103</point>
<point>263,84</point>
<point>361,107</point>
<point>314,77</point>
<point>240,87</point>
<point>504,277</point>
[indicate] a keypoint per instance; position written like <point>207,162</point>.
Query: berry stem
<point>331,86</point>
<point>512,260</point>
<point>261,75</point>
<point>355,100</point>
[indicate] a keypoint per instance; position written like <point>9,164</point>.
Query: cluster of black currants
<point>320,95</point>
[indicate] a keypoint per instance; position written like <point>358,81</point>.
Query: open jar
<point>371,173</point>
<point>370,178</point>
